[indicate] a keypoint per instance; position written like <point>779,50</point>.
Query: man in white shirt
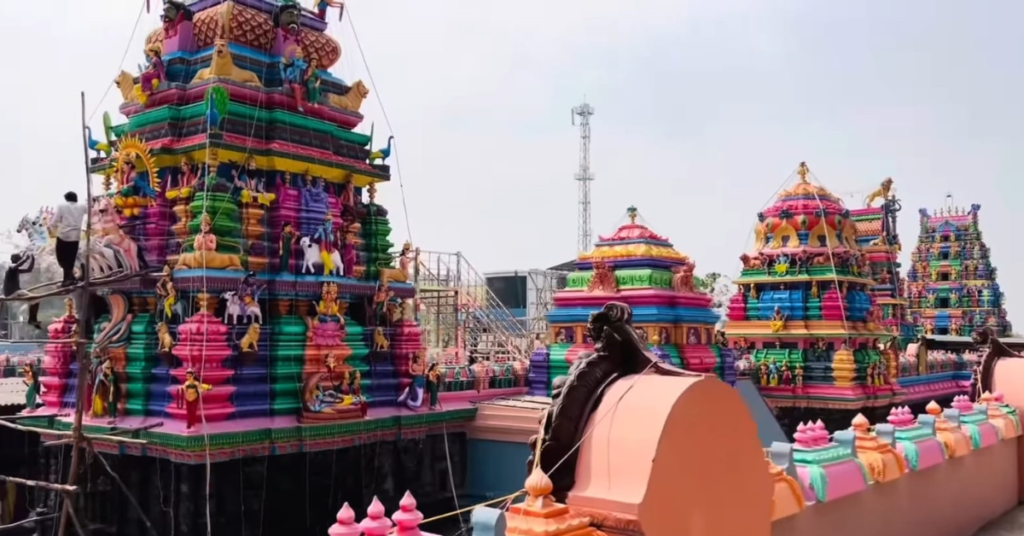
<point>67,225</point>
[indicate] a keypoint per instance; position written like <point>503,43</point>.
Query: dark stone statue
<point>619,352</point>
<point>986,337</point>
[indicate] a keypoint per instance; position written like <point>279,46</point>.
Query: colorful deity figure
<point>189,397</point>
<point>167,293</point>
<point>328,309</point>
<point>778,322</point>
<point>312,79</point>
<point>329,238</point>
<point>154,74</point>
<point>787,375</point>
<point>135,185</point>
<point>292,74</point>
<point>250,184</point>
<point>248,292</point>
<point>954,299</point>
<point>105,392</point>
<point>773,373</point>
<point>322,5</point>
<point>931,300</point>
<point>348,252</point>
<point>412,396</point>
<point>186,176</point>
<point>381,299</point>
<point>762,370</point>
<point>347,199</point>
<point>285,246</point>
<point>869,374</point>
<point>798,379</point>
<point>175,13</point>
<point>205,254</point>
<point>433,385</point>
<point>31,387</point>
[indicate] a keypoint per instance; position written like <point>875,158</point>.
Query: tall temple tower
<point>952,285</point>
<point>880,244</point>
<point>806,321</point>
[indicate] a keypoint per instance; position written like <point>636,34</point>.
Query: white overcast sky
<point>703,108</point>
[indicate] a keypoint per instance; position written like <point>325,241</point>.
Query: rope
<point>124,56</point>
<point>590,430</point>
<point>831,259</point>
<point>451,476</point>
<point>387,121</point>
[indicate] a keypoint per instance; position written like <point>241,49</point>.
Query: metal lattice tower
<point>584,238</point>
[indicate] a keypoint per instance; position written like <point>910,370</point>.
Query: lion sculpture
<point>223,66</point>
<point>352,100</point>
<point>881,193</point>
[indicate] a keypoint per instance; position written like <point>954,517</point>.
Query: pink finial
<point>999,397</point>
<point>802,437</point>
<point>962,403</point>
<point>346,525</point>
<point>375,523</point>
<point>820,433</point>
<point>408,518</point>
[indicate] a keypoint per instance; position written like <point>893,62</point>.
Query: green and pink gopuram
<point>642,269</point>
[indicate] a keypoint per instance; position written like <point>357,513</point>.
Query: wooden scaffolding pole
<point>82,304</point>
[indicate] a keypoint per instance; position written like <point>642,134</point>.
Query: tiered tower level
<point>277,314</point>
<point>807,317</point>
<point>879,242</point>
<point>642,269</point>
<point>951,283</point>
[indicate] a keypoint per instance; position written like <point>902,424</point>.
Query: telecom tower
<point>584,238</point>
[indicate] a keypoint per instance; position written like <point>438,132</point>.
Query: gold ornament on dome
<point>621,251</point>
<point>803,187</point>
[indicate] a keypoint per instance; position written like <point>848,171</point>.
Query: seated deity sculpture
<point>205,254</point>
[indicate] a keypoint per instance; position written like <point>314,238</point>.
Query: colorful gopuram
<point>250,301</point>
<point>952,284</point>
<point>879,242</point>
<point>640,268</point>
<point>806,318</point>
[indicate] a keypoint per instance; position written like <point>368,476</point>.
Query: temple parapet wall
<point>697,445</point>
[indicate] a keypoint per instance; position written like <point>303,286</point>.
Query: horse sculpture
<point>107,224</point>
<point>110,250</point>
<point>35,229</point>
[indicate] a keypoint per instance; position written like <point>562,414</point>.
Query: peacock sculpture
<point>384,153</point>
<point>216,106</point>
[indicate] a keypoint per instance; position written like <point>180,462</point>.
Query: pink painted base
<point>929,391</point>
<point>844,478</point>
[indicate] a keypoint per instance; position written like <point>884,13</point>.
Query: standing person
<point>21,264</point>
<point>67,225</point>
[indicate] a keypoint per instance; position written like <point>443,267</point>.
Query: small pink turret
<point>820,434</point>
<point>801,437</point>
<point>346,523</point>
<point>407,518</point>
<point>375,523</point>
<point>962,403</point>
<point>900,417</point>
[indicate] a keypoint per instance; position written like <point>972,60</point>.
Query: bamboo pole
<point>83,312</point>
<point>110,436</point>
<point>37,484</point>
<point>63,433</point>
